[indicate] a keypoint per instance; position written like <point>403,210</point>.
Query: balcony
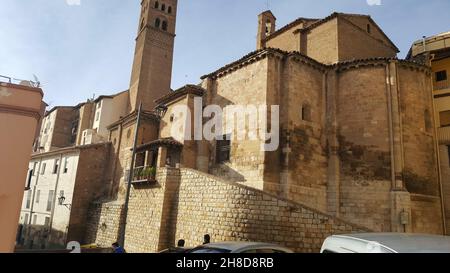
<point>144,175</point>
<point>443,135</point>
<point>441,85</point>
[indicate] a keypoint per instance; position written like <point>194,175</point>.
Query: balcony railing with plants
<point>144,174</point>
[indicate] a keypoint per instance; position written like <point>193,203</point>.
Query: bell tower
<point>266,26</point>
<point>152,66</point>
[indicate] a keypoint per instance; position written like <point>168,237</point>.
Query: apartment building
<point>60,185</point>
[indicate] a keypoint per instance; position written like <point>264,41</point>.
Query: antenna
<point>36,81</point>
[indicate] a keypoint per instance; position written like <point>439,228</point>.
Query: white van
<point>386,243</point>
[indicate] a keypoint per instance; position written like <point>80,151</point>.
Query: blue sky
<point>78,51</point>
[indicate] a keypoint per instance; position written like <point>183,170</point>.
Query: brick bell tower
<point>152,66</point>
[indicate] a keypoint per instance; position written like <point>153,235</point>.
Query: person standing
<point>117,248</point>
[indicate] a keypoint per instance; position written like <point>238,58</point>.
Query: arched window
<point>169,9</point>
<point>428,121</point>
<point>306,112</point>
<point>163,7</point>
<point>164,25</point>
<point>157,22</point>
<point>156,5</point>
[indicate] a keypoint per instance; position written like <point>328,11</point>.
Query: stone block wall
<point>103,223</point>
<point>426,214</point>
<point>232,212</point>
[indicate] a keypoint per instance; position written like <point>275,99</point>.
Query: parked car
<point>176,250</point>
<point>386,243</point>
<point>240,247</point>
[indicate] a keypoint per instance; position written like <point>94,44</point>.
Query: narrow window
<point>369,30</point>
<point>428,122</point>
<point>34,219</point>
<point>156,5</point>
<point>56,166</point>
<point>43,168</point>
<point>25,220</point>
<point>30,176</point>
<point>223,149</point>
<point>441,76</point>
<point>163,7</point>
<point>66,164</point>
<point>47,221</point>
<point>97,116</point>
<point>169,10</point>
<point>35,168</point>
<point>164,25</point>
<point>28,199</point>
<point>50,200</point>
<point>306,112</point>
<point>61,198</point>
<point>157,22</point>
<point>38,196</point>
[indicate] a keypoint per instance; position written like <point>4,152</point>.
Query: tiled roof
<point>187,89</point>
<point>337,14</point>
<point>169,141</point>
<point>289,26</point>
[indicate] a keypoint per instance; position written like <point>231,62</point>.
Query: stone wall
<point>188,204</point>
<point>103,223</point>
<point>364,153</point>
<point>246,86</point>
<point>89,186</point>
<point>354,40</point>
<point>426,214</point>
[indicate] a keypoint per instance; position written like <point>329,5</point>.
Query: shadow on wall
<point>40,237</point>
<point>105,221</point>
<point>226,172</point>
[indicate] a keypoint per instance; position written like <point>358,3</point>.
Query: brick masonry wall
<point>103,223</point>
<point>89,186</point>
<point>364,153</point>
<point>246,86</point>
<point>354,41</point>
<point>425,214</point>
<point>229,212</point>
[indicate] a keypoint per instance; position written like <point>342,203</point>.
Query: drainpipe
<point>34,196</point>
<point>54,197</point>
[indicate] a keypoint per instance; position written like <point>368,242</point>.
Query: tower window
<point>428,121</point>
<point>157,22</point>
<point>164,25</point>
<point>169,9</point>
<point>156,5</point>
<point>306,112</point>
<point>369,30</point>
<point>163,7</point>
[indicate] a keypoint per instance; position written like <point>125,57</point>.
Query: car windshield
<point>209,250</point>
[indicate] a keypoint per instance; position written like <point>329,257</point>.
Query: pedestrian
<point>206,239</point>
<point>117,248</point>
<point>181,243</point>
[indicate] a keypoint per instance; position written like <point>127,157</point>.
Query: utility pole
<point>121,239</point>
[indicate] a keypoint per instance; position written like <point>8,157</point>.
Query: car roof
<point>233,246</point>
<point>403,242</point>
